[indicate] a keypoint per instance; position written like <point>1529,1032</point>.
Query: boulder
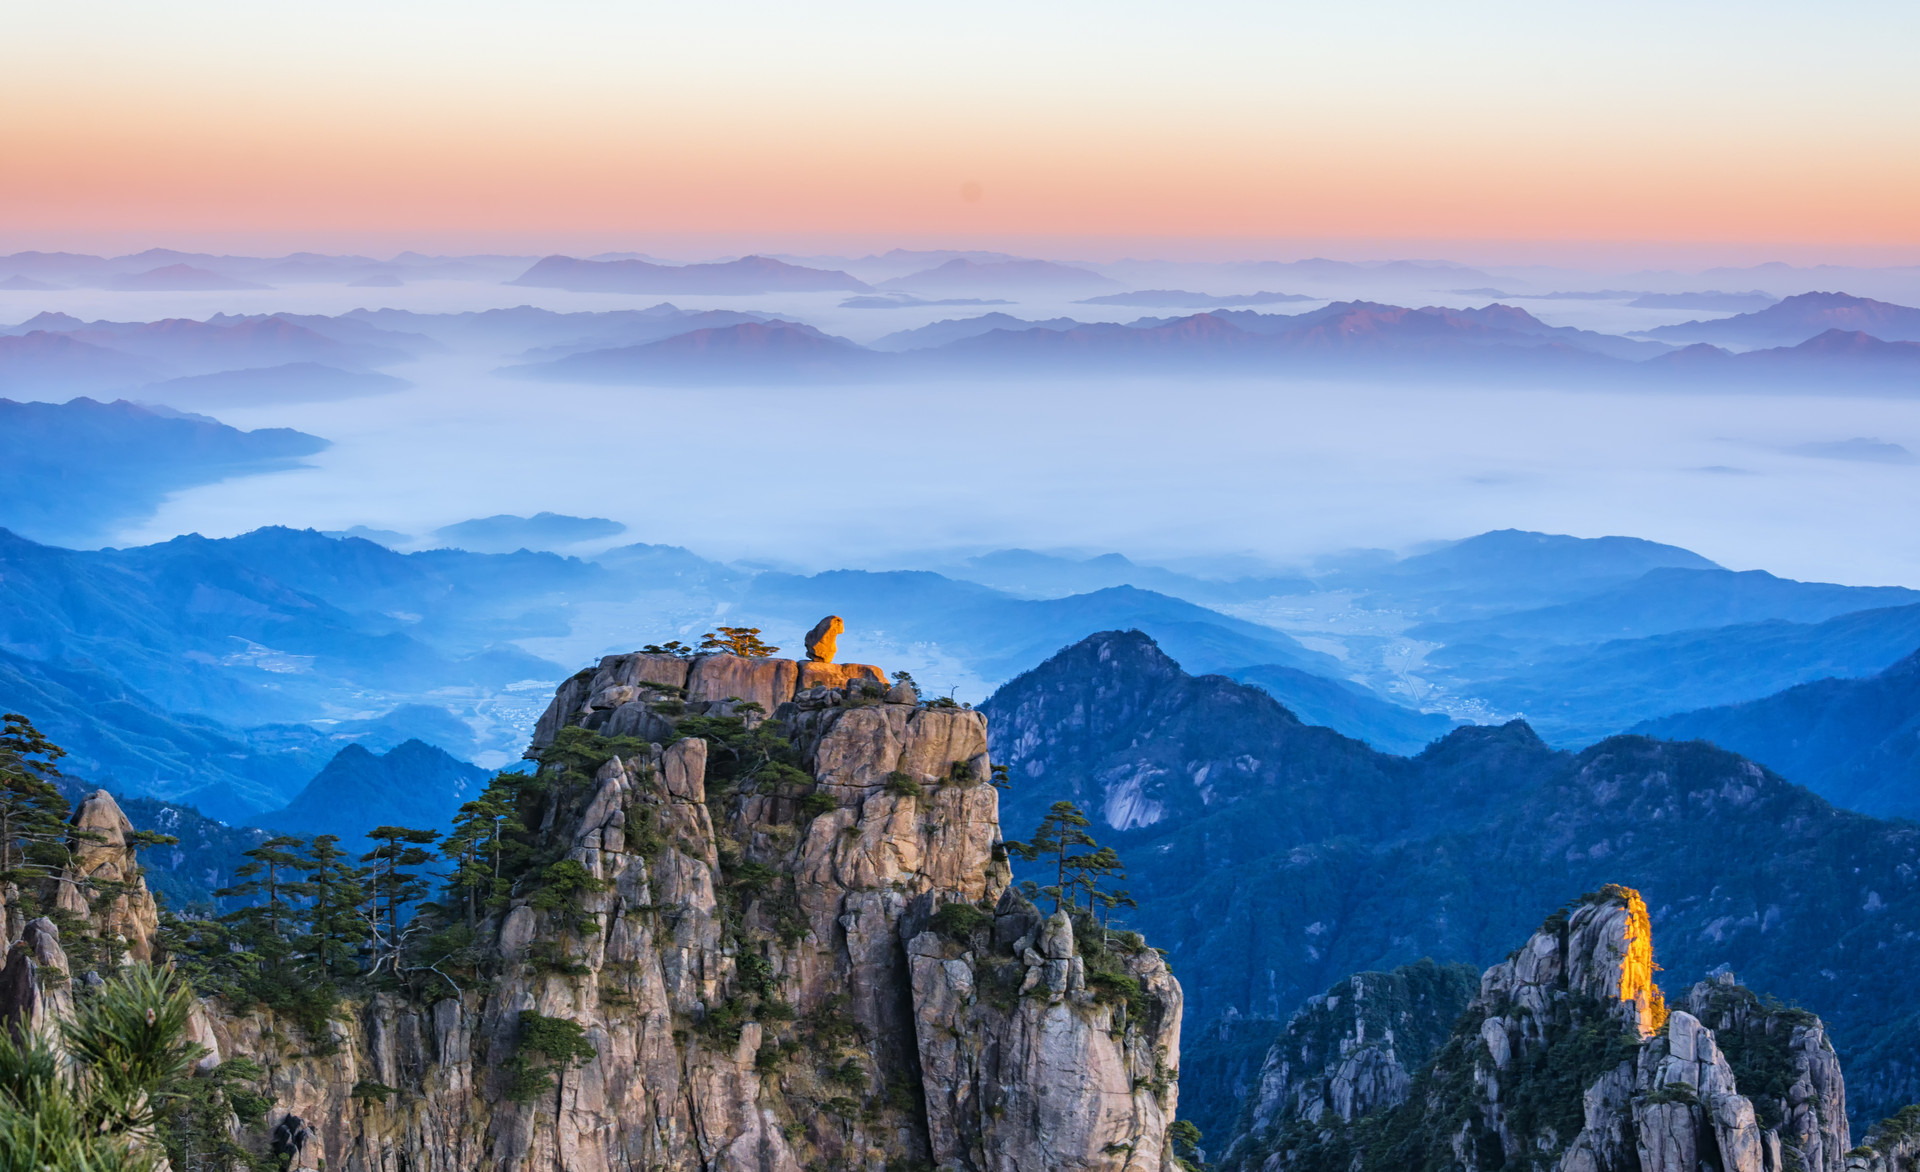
<point>759,680</point>
<point>838,675</point>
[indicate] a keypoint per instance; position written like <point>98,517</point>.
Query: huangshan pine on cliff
<point>743,912</point>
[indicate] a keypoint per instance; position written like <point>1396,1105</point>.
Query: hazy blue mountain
<point>909,301</point>
<point>964,275</point>
<point>1342,336</point>
<point>1182,299</point>
<point>749,274</point>
<point>348,328</point>
<point>1710,299</point>
<point>293,382</point>
<point>413,784</point>
<point>1576,695</point>
<point>117,738</point>
<point>1797,319</point>
<point>196,627</point>
<point>1272,858</point>
<point>615,334</point>
<point>1834,358</point>
<point>505,533</point>
<point>1348,709</point>
<point>227,671</point>
<point>1512,569</point>
<point>1665,600</point>
<point>999,635</point>
<point>1220,1062</point>
<point>204,861</point>
<point>69,269</point>
<point>1858,448</point>
<point>76,471</point>
<point>182,346</point>
<point>941,332</point>
<point>41,362</point>
<point>1854,742</point>
<point>1036,575</point>
<point>524,328</point>
<point>180,278</point>
<point>1508,317</point>
<point>750,352</point>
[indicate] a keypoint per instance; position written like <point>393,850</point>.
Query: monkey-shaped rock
<point>822,639</point>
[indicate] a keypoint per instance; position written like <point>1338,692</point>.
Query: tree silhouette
<point>1077,873</point>
<point>33,816</point>
<point>737,641</point>
<point>272,880</point>
<point>400,848</point>
<point>336,927</point>
<point>477,844</point>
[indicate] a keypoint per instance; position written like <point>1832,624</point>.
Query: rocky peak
<point>1355,1047</point>
<point>1569,1059</point>
<point>1602,952</point>
<point>790,944</point>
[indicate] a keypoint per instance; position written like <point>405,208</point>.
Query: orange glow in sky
<point>600,125</point>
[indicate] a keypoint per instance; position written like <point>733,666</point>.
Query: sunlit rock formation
<point>1568,1058</point>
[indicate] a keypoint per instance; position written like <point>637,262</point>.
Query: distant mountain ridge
<point>1343,338</point>
<point>74,471</point>
<point>749,274</point>
<point>964,275</point>
<point>1794,320</point>
<point>1856,741</point>
<point>413,784</point>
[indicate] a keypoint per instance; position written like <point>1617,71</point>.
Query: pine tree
<point>94,1107</point>
<point>267,926</point>
<point>336,926</point>
<point>737,641</point>
<point>34,833</point>
<point>1077,873</point>
<point>1059,832</point>
<point>477,844</point>
<point>400,848</point>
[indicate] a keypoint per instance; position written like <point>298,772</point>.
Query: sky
<point>1724,132</point>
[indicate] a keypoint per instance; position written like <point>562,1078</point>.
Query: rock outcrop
<point>1892,1146</point>
<point>1569,1059</point>
<point>801,956</point>
<point>103,881</point>
<point>1354,1049</point>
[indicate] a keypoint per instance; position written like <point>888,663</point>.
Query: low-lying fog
<point>883,475</point>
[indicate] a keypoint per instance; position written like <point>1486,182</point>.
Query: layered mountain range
<point>1810,340</point>
<point>1342,337</point>
<point>1272,858</point>
<point>182,670</point>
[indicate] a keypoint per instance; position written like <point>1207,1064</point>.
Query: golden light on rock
<point>822,641</point>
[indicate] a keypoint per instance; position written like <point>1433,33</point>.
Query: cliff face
<point>1569,1059</point>
<point>1355,1048</point>
<point>801,968</point>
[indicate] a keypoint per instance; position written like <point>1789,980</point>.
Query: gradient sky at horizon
<point>1737,131</point>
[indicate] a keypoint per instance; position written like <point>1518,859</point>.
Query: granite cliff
<point>769,903</point>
